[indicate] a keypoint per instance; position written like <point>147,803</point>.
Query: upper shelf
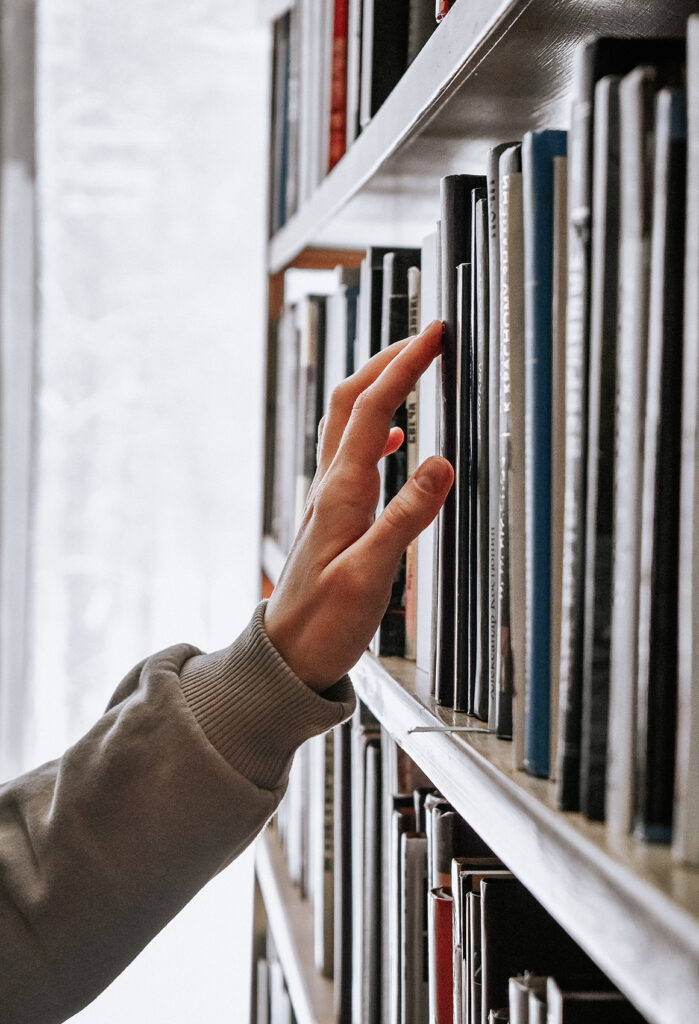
<point>492,70</point>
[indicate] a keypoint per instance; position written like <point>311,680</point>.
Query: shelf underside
<point>490,72</point>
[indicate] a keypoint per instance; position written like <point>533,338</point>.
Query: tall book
<point>311,373</point>
<point>412,459</point>
<point>370,305</point>
<point>373,881</point>
<point>342,867</point>
<point>480,472</point>
<point>463,689</point>
<point>427,445</point>
<point>595,59</point>
<point>558,312</point>
<point>657,603</point>
<point>421,25</point>
<point>365,734</point>
<point>279,141</point>
<point>354,65</point>
<point>384,52</point>
<point>538,152</point>
<point>685,845</point>
<point>322,850</point>
<point>337,136</point>
<point>493,186</point>
<point>600,451</point>
<point>637,123</point>
<point>439,945</point>
<point>413,903</point>
<point>511,575</point>
<point>455,248</point>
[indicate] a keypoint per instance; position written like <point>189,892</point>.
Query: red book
<point>440,955</point>
<point>442,8</point>
<point>338,85</point>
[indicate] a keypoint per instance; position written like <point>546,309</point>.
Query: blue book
<point>538,151</point>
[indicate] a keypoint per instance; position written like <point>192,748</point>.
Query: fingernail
<point>430,477</point>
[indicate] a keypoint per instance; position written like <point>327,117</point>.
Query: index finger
<point>364,438</point>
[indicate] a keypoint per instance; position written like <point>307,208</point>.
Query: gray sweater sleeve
<point>101,848</point>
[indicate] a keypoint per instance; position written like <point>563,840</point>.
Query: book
<point>427,445</point>
<point>685,843</point>
<point>384,53</point>
<point>558,315</point>
<point>412,462</point>
<point>538,151</point>
<point>516,932</point>
<point>373,881</point>
<point>636,109</point>
<point>439,946</point>
<point>396,265</point>
<point>480,589</point>
<point>370,305</point>
<point>466,875</point>
<point>402,822</point>
<point>493,186</point>
<point>421,25</point>
<point>511,574</point>
<point>413,902</point>
<point>337,136</point>
<point>449,836</point>
<point>279,140</point>
<point>455,248</point>
<point>600,450</point>
<point>354,65</point>
<point>310,398</point>
<point>321,852</point>
<point>463,556</point>
<point>659,542</point>
<point>537,1007</point>
<point>342,867</point>
<point>519,988</point>
<point>365,733</point>
<point>588,1006</point>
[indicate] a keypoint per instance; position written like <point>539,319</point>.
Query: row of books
<point>414,916</point>
<point>334,64</point>
<point>272,1001</point>
<point>546,603</point>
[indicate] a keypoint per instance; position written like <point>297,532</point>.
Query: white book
<point>632,339</point>
<point>413,899</point>
<point>426,446</point>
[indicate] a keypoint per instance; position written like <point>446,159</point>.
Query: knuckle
<point>398,510</point>
<point>340,401</point>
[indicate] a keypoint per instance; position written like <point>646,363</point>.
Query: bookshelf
<point>490,72</point>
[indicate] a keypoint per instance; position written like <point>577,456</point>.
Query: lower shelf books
<point>434,925</point>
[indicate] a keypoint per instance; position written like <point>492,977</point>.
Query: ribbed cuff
<point>254,710</point>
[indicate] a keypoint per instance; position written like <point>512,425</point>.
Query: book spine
<point>439,943</point>
<point>338,85</point>
<point>411,445</point>
<point>657,627</point>
<point>686,804</point>
<point>482,469</point>
<point>413,960</point>
<point>635,171</point>
<point>600,449</point>
<point>538,150</point>
<point>463,694</point>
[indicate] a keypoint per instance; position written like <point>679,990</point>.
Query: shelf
<point>490,72</point>
<point>628,905</point>
<point>291,922</point>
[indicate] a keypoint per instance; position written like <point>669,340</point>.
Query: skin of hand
<point>336,583</point>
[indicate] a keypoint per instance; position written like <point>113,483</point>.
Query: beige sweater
<point>100,849</point>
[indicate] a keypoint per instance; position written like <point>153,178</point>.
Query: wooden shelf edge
<point>628,905</point>
<point>291,922</point>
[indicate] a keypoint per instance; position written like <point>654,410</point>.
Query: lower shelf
<point>290,920</point>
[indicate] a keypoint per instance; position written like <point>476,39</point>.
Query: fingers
<point>405,516</point>
<point>345,396</point>
<point>368,427</point>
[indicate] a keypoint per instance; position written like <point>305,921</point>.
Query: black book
<point>394,473</point>
<point>395,266</point>
<point>384,52</point>
<point>597,58</point>
<point>463,694</point>
<point>480,346</point>
<point>657,626</point>
<point>516,932</point>
<point>421,25</point>
<point>600,458</point>
<point>279,142</point>
<point>455,248</point>
<point>370,305</point>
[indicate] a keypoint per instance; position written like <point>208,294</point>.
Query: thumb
<point>406,515</point>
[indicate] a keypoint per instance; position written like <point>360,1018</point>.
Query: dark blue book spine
<point>538,151</point>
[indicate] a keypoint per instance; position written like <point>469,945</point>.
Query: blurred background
<point>142,448</point>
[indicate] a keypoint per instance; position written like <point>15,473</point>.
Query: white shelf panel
<point>627,904</point>
<point>290,920</point>
<point>491,71</point>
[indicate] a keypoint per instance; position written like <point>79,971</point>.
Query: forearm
<point>101,848</point>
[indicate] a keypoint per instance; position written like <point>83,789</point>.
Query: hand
<point>336,583</point>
